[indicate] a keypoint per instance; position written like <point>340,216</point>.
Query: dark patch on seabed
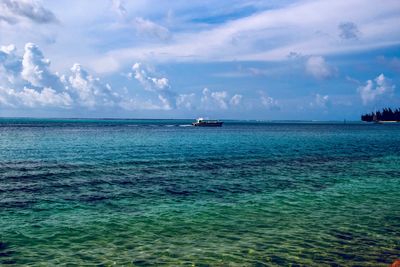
<point>20,204</point>
<point>6,254</point>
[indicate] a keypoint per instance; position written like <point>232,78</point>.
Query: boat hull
<point>207,124</point>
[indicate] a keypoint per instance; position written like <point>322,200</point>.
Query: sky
<point>261,60</point>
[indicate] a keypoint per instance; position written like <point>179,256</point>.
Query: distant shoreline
<point>385,121</point>
<point>186,119</point>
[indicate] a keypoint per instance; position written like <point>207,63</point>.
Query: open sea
<point>163,193</point>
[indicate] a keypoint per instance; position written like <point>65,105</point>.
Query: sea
<point>105,192</point>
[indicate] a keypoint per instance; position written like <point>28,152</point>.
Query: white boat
<point>200,122</point>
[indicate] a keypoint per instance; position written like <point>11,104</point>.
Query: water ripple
<point>107,193</point>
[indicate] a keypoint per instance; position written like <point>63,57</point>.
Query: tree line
<point>387,114</point>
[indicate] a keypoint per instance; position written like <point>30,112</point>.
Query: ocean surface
<point>163,193</point>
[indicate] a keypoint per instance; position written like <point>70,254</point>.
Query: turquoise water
<point>159,192</point>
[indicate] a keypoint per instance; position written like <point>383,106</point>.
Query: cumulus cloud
<point>235,100</point>
<point>28,97</point>
<point>88,90</point>
<point>152,83</point>
<point>13,11</point>
<point>35,68</point>
<point>7,49</point>
<point>317,67</point>
<point>27,81</point>
<point>376,89</point>
<point>348,30</point>
<point>149,82</point>
<point>151,29</point>
<point>213,100</point>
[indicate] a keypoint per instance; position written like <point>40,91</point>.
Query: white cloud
<point>269,102</point>
<point>169,99</point>
<point>13,11</point>
<point>152,83</point>
<point>269,34</point>
<point>149,28</point>
<point>214,100</point>
<point>88,90</point>
<point>236,99</point>
<point>28,81</point>
<point>318,67</point>
<point>28,97</point>
<point>7,49</point>
<point>378,88</point>
<point>35,68</point>
<point>246,38</point>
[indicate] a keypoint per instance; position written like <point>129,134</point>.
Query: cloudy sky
<point>269,60</point>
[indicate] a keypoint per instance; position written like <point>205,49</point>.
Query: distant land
<point>386,115</point>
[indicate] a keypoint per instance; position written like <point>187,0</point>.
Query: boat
<point>200,122</point>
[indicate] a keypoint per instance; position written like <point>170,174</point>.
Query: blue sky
<point>267,60</point>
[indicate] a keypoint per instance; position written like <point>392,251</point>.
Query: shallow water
<point>157,192</point>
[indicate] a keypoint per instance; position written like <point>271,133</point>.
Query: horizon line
<point>125,118</point>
